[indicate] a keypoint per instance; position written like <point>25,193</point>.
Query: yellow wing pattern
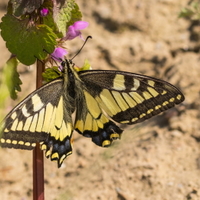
<point>92,122</point>
<point>124,97</point>
<point>39,118</point>
<point>130,98</point>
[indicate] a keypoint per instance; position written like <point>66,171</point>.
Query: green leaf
<point>186,12</point>
<point>4,94</point>
<point>10,78</point>
<point>86,66</point>
<point>13,81</point>
<point>48,20</point>
<point>67,15</point>
<point>51,74</point>
<point>27,41</point>
<point>75,14</point>
<point>192,11</point>
<point>21,7</point>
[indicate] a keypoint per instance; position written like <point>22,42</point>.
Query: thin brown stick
<point>38,164</point>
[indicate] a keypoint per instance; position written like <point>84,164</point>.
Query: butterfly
<point>100,100</point>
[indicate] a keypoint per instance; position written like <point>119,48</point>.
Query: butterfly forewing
<point>130,98</point>
<point>43,117</point>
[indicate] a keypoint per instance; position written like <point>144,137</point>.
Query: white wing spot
<point>14,115</point>
<point>136,85</point>
<point>37,103</point>
<point>8,141</point>
<point>14,142</point>
<point>151,83</point>
<point>119,82</point>
<point>3,140</point>
<point>25,111</point>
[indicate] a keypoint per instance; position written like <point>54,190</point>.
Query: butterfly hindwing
<point>92,122</point>
<point>130,98</point>
<point>42,117</point>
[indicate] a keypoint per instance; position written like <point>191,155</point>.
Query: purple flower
<point>59,54</point>
<point>74,30</point>
<point>44,12</point>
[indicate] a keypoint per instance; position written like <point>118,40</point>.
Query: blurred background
<point>156,160</point>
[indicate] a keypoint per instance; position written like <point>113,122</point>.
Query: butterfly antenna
<point>88,37</point>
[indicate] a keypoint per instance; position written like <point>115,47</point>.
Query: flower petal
<point>44,12</point>
<point>72,33</point>
<point>59,53</point>
<point>74,30</point>
<point>79,25</point>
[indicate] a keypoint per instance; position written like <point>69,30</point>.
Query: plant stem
<point>38,164</point>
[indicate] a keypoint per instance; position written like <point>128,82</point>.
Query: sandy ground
<point>156,160</point>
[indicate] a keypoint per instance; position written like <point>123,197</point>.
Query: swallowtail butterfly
<point>100,98</point>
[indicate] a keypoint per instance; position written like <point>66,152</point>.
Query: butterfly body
<point>98,98</point>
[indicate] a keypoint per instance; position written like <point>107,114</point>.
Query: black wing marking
<point>42,117</point>
<point>92,122</point>
<point>130,98</point>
